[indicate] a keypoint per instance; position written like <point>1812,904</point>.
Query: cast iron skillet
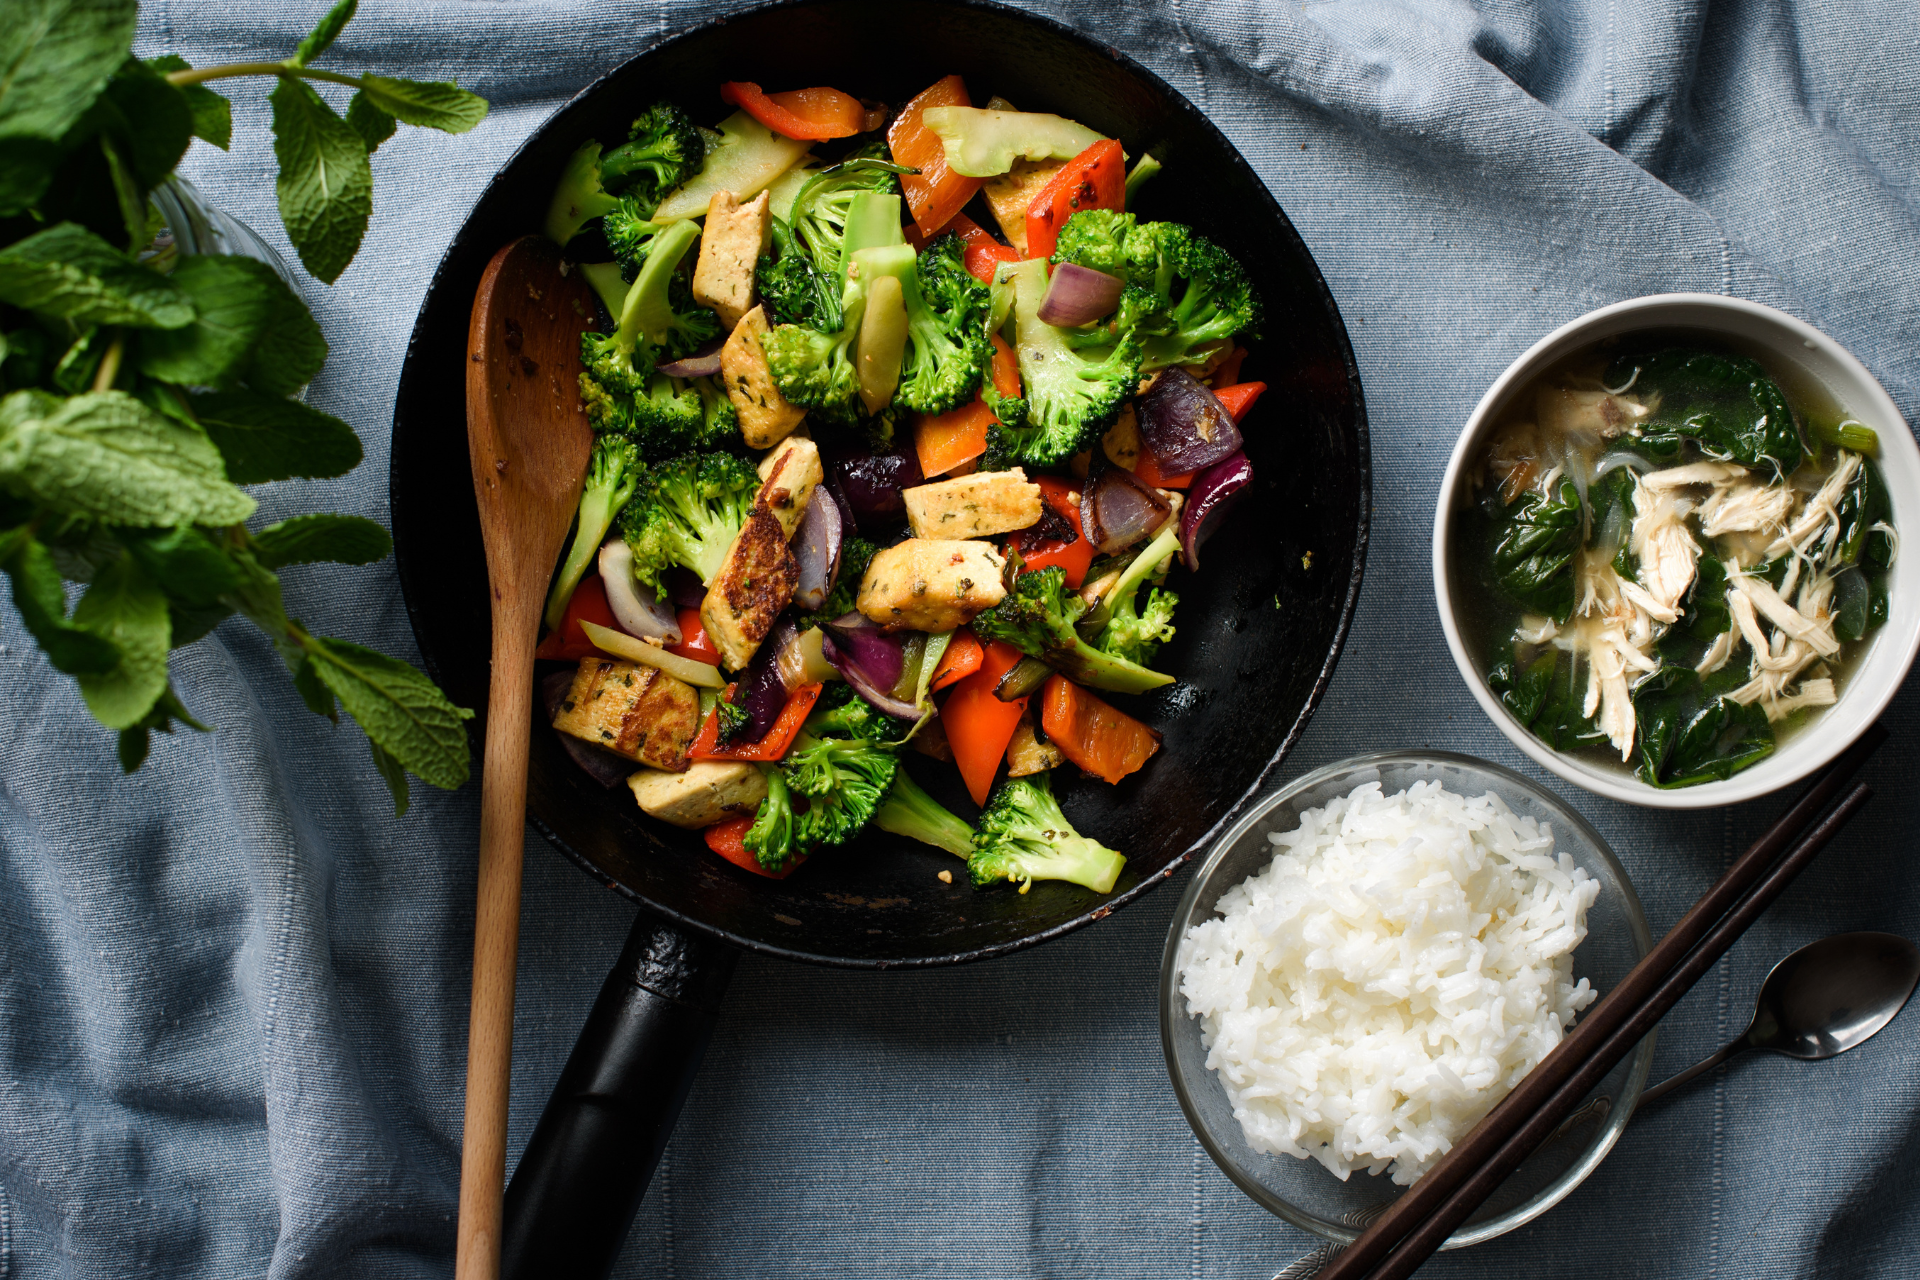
<point>1260,628</point>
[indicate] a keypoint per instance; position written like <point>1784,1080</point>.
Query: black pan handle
<point>578,1185</point>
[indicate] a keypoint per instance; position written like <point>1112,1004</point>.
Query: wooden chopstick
<point>1599,1024</point>
<point>1427,1238</point>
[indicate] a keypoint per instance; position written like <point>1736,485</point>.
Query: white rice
<point>1395,970</point>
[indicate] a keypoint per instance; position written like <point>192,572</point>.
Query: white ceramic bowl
<point>1780,340</point>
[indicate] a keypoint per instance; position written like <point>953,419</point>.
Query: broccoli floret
<point>792,288</point>
<point>911,812</point>
<point>948,350</point>
<point>668,417</point>
<point>613,472</point>
<point>842,779</point>
<point>686,512</point>
<point>1037,617</point>
<point>822,208</point>
<point>1096,239</point>
<point>630,235</point>
<point>731,721</point>
<point>855,555</point>
<point>1075,381</point>
<point>663,149</point>
<point>1023,836</point>
<point>1201,296</point>
<point>720,421</point>
<point>1131,632</point>
<point>656,315</point>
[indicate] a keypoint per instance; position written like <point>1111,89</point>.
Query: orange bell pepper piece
<point>983,252</point>
<point>945,440</point>
<point>979,726</point>
<point>963,657</point>
<point>810,114</point>
<point>1101,739</point>
<point>1006,368</point>
<point>936,193</point>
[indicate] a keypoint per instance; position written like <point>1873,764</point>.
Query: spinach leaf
<point>1545,695</point>
<point>1533,554</point>
<point>1726,403</point>
<point>1704,615</point>
<point>1852,603</point>
<point>1864,504</point>
<point>1689,730</point>
<point>1612,500</point>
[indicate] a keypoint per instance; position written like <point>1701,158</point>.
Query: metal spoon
<point>1824,999</point>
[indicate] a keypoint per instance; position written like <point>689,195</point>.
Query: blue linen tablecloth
<point>233,986</point>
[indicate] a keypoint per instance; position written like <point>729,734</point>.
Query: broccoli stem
<point>873,222</point>
<point>647,311</point>
<point>578,197</point>
<point>911,812</point>
<point>1164,544</point>
<point>1143,168</point>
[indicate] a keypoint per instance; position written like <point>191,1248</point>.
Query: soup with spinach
<point>1669,563</point>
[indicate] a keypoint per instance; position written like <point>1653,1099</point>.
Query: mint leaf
<point>212,113</point>
<point>68,271</point>
<point>317,696</point>
<point>326,33</point>
<point>394,774</point>
<point>258,598</point>
<point>107,456</point>
<point>41,598</point>
<point>134,741</point>
<point>231,297</point>
<point>431,104</point>
<point>291,349</point>
<point>126,607</point>
<point>308,539</point>
<point>26,167</point>
<point>185,562</point>
<point>401,710</point>
<point>190,623</point>
<point>326,183</point>
<point>126,193</point>
<point>55,57</point>
<point>265,438</point>
<point>148,117</point>
<point>372,124</point>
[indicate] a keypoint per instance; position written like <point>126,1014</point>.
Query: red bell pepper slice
<point>1094,179</point>
<point>694,642</point>
<point>779,735</point>
<point>810,114</point>
<point>729,840</point>
<point>983,252</point>
<point>1040,553</point>
<point>568,642</point>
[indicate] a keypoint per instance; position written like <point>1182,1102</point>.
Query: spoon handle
<point>1700,1068</point>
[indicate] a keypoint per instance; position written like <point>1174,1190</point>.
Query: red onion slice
<point>864,684</point>
<point>871,483</point>
<point>1214,490</point>
<point>602,765</point>
<point>881,656</point>
<point>1119,509</point>
<point>1184,425</point>
<point>704,363</point>
<point>684,588</point>
<point>635,607</point>
<point>816,546</point>
<point>762,693</point>
<point>1079,295</point>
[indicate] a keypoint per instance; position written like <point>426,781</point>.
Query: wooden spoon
<point>528,440</point>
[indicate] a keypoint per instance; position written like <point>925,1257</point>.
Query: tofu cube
<point>731,242</point>
<point>788,477</point>
<point>932,584</point>
<point>638,712</point>
<point>1122,441</point>
<point>1009,195</point>
<point>975,506</point>
<point>754,584</point>
<point>709,791</point>
<point>766,416</point>
<point>1026,754</point>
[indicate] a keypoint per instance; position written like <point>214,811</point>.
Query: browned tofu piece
<point>931,584</point>
<point>708,792</point>
<point>754,584</point>
<point>638,712</point>
<point>788,477</point>
<point>766,416</point>
<point>973,506</point>
<point>1122,441</point>
<point>1026,754</point>
<point>731,243</point>
<point>1009,195</point>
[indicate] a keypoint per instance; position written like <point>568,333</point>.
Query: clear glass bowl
<point>1302,1191</point>
<point>194,226</point>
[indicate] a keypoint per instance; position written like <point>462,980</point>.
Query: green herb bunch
<point>140,387</point>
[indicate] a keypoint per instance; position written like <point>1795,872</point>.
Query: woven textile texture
<point>233,987</point>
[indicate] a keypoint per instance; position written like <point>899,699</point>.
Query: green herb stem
<point>286,69</point>
<point>103,377</point>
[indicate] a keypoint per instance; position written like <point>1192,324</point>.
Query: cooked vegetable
<point>1037,617</point>
<point>882,345</point>
<point>1726,403</point>
<point>694,643</point>
<point>663,150</point>
<point>1130,629</point>
<point>1028,753</point>
<point>981,144</point>
<point>568,642</point>
<point>1023,836</point>
<point>979,725</point>
<point>728,839</point>
<point>1143,169</point>
<point>841,776</point>
<point>811,114</point>
<point>1058,537</point>
<point>935,193</point>
<point>1692,731</point>
<point>845,648</point>
<point>1094,179</point>
<point>636,608</point>
<point>1189,298</point>
<point>745,159</point>
<point>625,646</point>
<point>1184,426</point>
<point>771,743</point>
<point>962,658</point>
<point>856,554</point>
<point>805,278</point>
<point>703,363</point>
<point>816,547</point>
<point>1100,738</point>
<point>1023,681</point>
<point>947,349</point>
<point>1118,510</point>
<point>944,441</point>
<point>1533,551</point>
<point>909,811</point>
<point>1213,490</point>
<point>686,512</point>
<point>1075,380</point>
<point>613,470</point>
<point>983,253</point>
<point>1239,397</point>
<point>1079,295</point>
<point>872,484</point>
<point>619,386</point>
<point>803,661</point>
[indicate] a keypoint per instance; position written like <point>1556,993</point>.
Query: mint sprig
<point>139,388</point>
